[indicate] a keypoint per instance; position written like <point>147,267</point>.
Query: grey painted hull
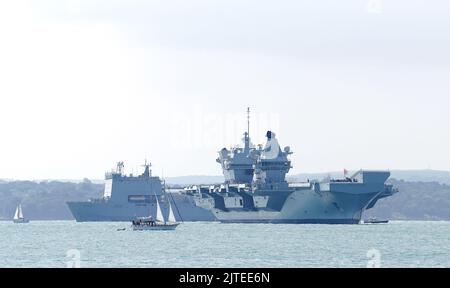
<point>96,211</point>
<point>306,207</point>
<point>328,202</point>
<point>156,227</point>
<point>301,207</point>
<point>322,203</point>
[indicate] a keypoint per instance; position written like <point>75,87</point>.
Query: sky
<point>346,84</point>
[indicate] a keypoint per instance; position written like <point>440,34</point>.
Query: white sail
<point>16,215</point>
<point>171,215</point>
<point>20,212</point>
<point>159,216</point>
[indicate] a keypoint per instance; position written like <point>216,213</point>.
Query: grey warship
<point>129,197</point>
<point>255,191</point>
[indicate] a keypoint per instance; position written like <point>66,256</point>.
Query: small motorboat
<point>375,221</point>
<point>148,223</point>
<point>18,216</point>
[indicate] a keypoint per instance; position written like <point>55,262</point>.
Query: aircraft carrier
<point>255,191</point>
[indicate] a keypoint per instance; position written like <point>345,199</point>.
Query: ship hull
<point>21,221</point>
<point>301,207</point>
<point>306,207</point>
<point>292,221</point>
<point>109,211</point>
<point>160,227</point>
<point>96,212</point>
<point>319,203</point>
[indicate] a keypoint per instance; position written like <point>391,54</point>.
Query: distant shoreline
<point>390,222</point>
<point>413,175</point>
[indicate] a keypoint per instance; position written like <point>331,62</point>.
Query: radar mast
<point>147,166</point>
<point>247,134</point>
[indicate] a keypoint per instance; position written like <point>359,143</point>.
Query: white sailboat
<point>147,223</point>
<point>18,216</point>
<point>171,218</point>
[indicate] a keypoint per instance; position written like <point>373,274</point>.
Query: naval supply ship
<point>128,197</point>
<point>255,191</point>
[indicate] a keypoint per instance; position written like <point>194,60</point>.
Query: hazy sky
<point>346,84</point>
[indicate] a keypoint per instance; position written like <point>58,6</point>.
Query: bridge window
<point>141,199</point>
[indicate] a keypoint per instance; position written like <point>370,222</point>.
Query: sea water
<point>72,244</point>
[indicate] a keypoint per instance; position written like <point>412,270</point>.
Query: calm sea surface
<point>62,243</point>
